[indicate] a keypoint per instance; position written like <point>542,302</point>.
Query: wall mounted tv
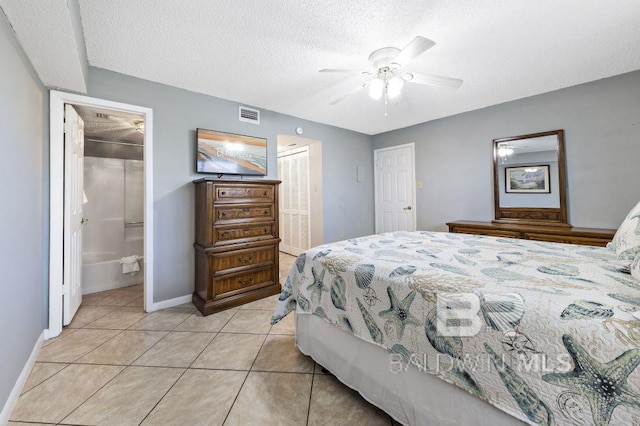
<point>230,154</point>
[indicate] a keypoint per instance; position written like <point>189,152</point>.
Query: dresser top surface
<point>541,229</point>
<point>235,181</point>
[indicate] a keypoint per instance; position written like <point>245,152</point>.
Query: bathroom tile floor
<point>117,365</point>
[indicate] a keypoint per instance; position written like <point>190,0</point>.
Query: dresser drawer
<point>490,232</point>
<point>242,233</point>
<point>230,193</point>
<point>244,213</point>
<point>226,262</point>
<point>237,283</point>
<point>567,239</point>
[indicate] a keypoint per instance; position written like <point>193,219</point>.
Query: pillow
<point>635,268</point>
<point>626,241</point>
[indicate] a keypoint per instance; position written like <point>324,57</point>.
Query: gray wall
<point>23,172</point>
<point>602,143</point>
<point>348,206</point>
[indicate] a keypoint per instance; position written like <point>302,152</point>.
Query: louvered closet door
<point>293,171</point>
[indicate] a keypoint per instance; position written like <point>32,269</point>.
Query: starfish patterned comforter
<point>543,331</point>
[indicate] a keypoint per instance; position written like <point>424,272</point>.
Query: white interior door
<point>73,220</point>
<point>394,189</point>
<point>293,170</point>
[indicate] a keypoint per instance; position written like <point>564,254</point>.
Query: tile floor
<point>116,365</point>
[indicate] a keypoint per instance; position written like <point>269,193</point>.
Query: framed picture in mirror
<point>527,180</point>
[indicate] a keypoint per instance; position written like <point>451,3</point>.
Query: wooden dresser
<point>236,242</point>
<point>558,234</point>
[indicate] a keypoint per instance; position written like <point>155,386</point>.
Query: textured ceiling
<point>267,53</point>
<point>45,32</point>
<point>110,125</point>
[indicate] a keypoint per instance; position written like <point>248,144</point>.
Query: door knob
<point>406,208</point>
<point>83,221</point>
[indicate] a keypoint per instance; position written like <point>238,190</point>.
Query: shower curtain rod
<point>116,142</point>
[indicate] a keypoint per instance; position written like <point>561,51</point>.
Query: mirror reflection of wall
<point>531,159</point>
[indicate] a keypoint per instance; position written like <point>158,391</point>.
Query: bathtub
<point>103,271</point>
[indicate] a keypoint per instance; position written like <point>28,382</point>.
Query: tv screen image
<point>228,153</point>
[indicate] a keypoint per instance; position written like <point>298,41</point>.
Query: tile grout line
<point>101,387</point>
<point>313,380</point>
<point>101,344</point>
<point>162,397</point>
<point>91,396</point>
<point>97,329</point>
<point>54,374</point>
<point>159,340</point>
<point>185,370</point>
<point>96,319</point>
<point>246,377</point>
<point>121,332</point>
<point>97,390</point>
<point>126,366</point>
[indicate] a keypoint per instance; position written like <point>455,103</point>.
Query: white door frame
<point>57,100</point>
<point>375,181</point>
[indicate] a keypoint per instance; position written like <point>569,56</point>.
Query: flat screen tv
<point>230,154</point>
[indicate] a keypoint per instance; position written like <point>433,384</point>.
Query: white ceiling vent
<point>249,115</point>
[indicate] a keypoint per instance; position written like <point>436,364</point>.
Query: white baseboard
<point>170,303</point>
<point>22,379</point>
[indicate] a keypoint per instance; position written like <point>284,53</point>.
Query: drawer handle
<point>266,211</point>
<point>223,214</point>
<point>245,282</point>
<point>245,210</point>
<point>265,230</point>
<point>245,259</point>
<point>264,193</point>
<point>224,234</point>
<point>223,193</point>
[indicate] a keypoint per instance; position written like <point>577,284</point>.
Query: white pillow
<point>635,268</point>
<point>626,242</point>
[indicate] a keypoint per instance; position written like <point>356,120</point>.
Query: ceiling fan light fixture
<point>504,150</point>
<point>376,88</point>
<point>139,125</point>
<point>394,87</point>
<point>386,69</point>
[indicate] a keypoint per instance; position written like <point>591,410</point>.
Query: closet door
<point>293,171</point>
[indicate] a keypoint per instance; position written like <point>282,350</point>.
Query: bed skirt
<point>409,396</point>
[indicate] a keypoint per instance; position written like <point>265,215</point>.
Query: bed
<point>439,328</point>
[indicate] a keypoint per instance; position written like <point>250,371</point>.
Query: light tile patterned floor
<point>116,365</point>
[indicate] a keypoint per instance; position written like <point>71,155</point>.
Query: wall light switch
<point>419,184</point>
<point>360,174</point>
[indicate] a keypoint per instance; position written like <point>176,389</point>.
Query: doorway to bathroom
<point>100,202</point>
<point>113,199</point>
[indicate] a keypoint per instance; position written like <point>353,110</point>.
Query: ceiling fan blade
<point>349,93</point>
<point>433,80</point>
<point>344,71</point>
<point>416,47</point>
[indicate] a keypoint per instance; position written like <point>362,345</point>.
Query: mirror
<point>529,179</point>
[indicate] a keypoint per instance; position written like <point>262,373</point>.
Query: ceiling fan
<point>387,65</point>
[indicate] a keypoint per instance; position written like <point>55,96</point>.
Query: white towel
<point>130,265</point>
